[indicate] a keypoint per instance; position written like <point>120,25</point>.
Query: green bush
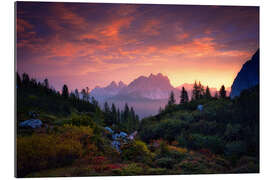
<point>235,148</point>
<point>39,152</point>
<point>132,169</point>
<point>136,151</point>
<point>165,162</point>
<point>82,120</point>
<point>199,141</point>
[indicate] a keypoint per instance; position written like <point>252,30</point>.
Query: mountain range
<point>146,94</point>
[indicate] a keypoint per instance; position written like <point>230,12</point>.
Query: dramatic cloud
<point>89,44</point>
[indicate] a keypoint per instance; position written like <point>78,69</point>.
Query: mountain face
<point>247,77</point>
<point>101,94</point>
<point>145,94</point>
<point>153,87</point>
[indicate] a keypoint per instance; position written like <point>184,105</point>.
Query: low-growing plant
<point>132,169</point>
<point>136,151</point>
<point>165,162</point>
<point>42,151</point>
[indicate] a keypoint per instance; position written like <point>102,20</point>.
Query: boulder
<point>200,107</point>
<point>33,123</point>
<point>132,136</point>
<point>109,129</point>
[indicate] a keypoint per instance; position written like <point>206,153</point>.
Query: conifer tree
<point>201,90</point>
<point>195,91</point>
<point>184,96</point>
<point>46,83</point>
<point>216,95</point>
<point>222,92</point>
<point>207,93</point>
<point>25,80</point>
<point>114,114</point>
<point>126,112</point>
<point>65,92</point>
<point>87,94</point>
<point>171,99</point>
<point>19,81</point>
<point>84,95</point>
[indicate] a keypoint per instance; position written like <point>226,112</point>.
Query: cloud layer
<point>88,44</point>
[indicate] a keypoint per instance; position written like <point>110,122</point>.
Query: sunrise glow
<point>93,44</point>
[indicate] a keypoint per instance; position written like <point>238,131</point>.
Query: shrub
<point>132,169</point>
<point>39,152</point>
<point>182,141</point>
<point>199,141</point>
<point>191,167</point>
<point>235,148</point>
<point>136,151</point>
<point>165,162</point>
<point>82,120</point>
<point>156,171</point>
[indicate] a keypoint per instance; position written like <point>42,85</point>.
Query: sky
<point>90,44</point>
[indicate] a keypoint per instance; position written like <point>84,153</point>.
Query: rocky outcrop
<point>247,77</point>
<point>33,123</point>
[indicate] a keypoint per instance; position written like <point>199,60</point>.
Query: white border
<point>7,84</point>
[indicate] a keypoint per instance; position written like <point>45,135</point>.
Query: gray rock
<point>132,136</point>
<point>33,123</point>
<point>109,129</point>
<point>200,107</point>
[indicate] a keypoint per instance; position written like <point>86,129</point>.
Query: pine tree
<point>184,96</point>
<point>118,116</point>
<point>25,80</point>
<point>222,92</point>
<point>207,93</point>
<point>65,92</point>
<point>87,94</point>
<point>126,112</point>
<point>84,95</point>
<point>171,99</point>
<point>107,113</point>
<point>201,90</point>
<point>114,114</point>
<point>195,91</point>
<point>19,81</point>
<point>216,95</point>
<point>46,83</point>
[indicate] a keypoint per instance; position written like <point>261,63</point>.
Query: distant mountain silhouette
<point>103,93</point>
<point>145,94</point>
<point>153,87</point>
<point>247,77</point>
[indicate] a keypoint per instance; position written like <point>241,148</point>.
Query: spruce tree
<point>222,92</point>
<point>207,93</point>
<point>216,95</point>
<point>184,96</point>
<point>65,92</point>
<point>46,83</point>
<point>19,81</point>
<point>201,90</point>
<point>195,91</point>
<point>84,95</point>
<point>171,99</point>
<point>114,114</point>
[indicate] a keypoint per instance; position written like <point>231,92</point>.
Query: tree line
<point>32,94</point>
<point>198,92</point>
